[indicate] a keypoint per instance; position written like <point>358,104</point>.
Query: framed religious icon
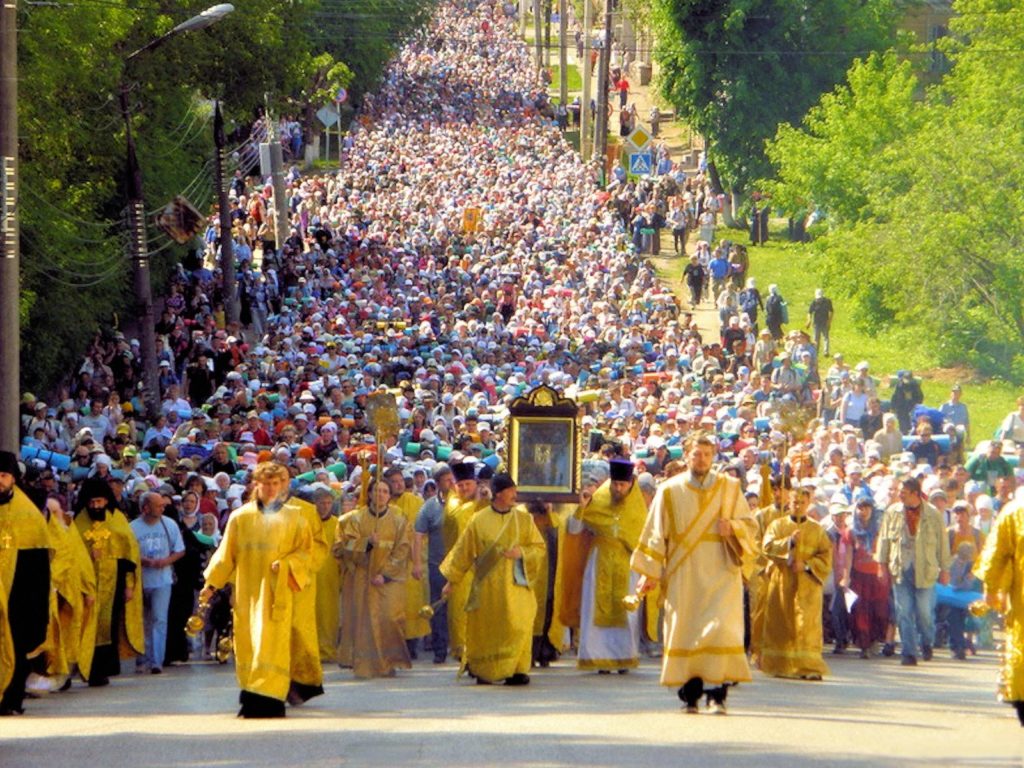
<point>545,446</point>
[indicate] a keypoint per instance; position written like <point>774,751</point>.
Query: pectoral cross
<point>5,540</point>
<point>97,536</point>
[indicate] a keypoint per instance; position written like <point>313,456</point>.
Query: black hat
<point>620,469</point>
<point>9,464</point>
<point>95,488</point>
<point>463,471</point>
<point>501,482</point>
<point>485,472</point>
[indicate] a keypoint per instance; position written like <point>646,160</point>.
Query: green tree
<point>75,269</point>
<point>736,69</point>
<point>844,160</point>
<point>931,237</point>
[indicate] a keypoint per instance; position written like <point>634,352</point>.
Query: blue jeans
<point>154,606</point>
<point>438,624</point>
<point>915,614</point>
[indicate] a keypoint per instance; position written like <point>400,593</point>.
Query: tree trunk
<point>716,187</point>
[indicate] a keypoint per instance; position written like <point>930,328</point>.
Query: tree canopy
<point>75,269</point>
<point>922,198</point>
<point>736,69</point>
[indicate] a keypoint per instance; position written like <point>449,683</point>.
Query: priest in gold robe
<point>373,543</point>
<point>696,545</point>
<point>306,671</point>
<point>113,629</point>
<point>71,598</point>
<point>757,582</point>
<point>266,552</point>
<point>24,584</point>
<point>799,554</point>
<point>459,510</point>
<point>608,528</point>
<point>328,579</point>
<point>1001,570</point>
<point>499,554</point>
<point>417,592</point>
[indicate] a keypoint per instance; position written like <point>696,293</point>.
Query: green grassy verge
<point>575,80</point>
<point>791,266</point>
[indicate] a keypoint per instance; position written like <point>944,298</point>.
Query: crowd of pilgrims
<point>381,286</point>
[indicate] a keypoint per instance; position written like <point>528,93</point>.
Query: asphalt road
<point>868,713</point>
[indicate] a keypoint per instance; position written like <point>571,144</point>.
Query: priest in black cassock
<point>24,582</point>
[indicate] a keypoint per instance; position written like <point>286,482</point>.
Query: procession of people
<point>740,507</point>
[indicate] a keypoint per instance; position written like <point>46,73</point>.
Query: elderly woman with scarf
<point>869,580</point>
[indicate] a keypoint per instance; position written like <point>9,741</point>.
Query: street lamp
<point>137,215</point>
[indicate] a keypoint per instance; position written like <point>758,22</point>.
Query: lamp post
<point>137,214</point>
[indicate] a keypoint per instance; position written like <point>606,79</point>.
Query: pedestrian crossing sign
<point>640,163</point>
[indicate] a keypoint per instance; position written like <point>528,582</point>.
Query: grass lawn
<point>575,81</point>
<point>791,267</point>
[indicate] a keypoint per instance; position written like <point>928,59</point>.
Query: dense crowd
<point>461,256</point>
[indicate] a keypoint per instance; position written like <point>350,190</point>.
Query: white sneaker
<point>716,709</point>
<point>38,685</point>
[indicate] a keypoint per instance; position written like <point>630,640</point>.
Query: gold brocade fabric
<point>417,592</point>
<point>457,516</point>
<point>328,597</point>
<point>6,641</point>
<point>105,543</point>
<point>1001,569</point>
<point>499,630</point>
<point>617,529</point>
<point>792,633</point>
<point>305,657</point>
<point>263,600</point>
<point>22,526</point>
<point>373,616</point>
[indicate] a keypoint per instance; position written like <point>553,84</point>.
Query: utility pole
<point>601,148</point>
<point>277,180</point>
<point>538,35</point>
<point>10,258</point>
<point>585,121</point>
<point>522,17</point>
<point>140,267</point>
<point>563,55</point>
<point>227,242</point>
<point>547,33</point>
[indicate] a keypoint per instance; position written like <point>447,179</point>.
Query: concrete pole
<point>277,181</point>
<point>563,54</point>
<point>227,242</point>
<point>538,37</point>
<point>140,268</point>
<point>10,254</point>
<point>585,121</point>
<point>601,144</point>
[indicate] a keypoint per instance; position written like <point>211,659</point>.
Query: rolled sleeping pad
<point>443,452</point>
<point>412,449</point>
<point>59,461</point>
<point>675,451</point>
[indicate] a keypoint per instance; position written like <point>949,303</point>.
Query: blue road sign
<point>640,163</point>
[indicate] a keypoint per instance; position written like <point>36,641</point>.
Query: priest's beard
<point>97,515</point>
<point>6,496</point>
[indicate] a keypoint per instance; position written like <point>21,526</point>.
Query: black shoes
<point>926,652</point>
<point>909,661</point>
<point>519,678</point>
